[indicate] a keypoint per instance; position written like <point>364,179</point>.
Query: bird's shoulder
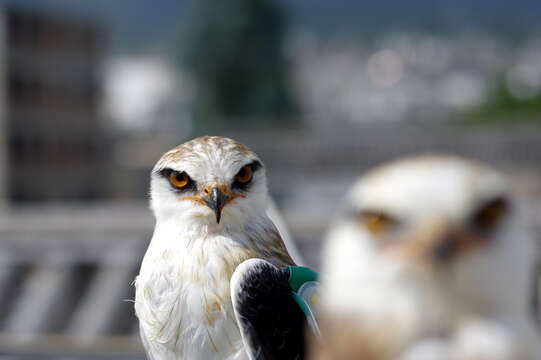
<point>269,245</point>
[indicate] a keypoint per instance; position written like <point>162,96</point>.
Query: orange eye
<point>245,174</point>
<point>179,180</point>
<point>377,223</point>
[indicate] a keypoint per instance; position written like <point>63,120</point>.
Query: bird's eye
<point>244,175</point>
<point>377,223</point>
<point>179,179</point>
<point>488,216</point>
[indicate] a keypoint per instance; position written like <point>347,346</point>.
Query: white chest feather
<point>183,298</point>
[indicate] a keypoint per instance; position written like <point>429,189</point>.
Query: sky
<point>144,25</point>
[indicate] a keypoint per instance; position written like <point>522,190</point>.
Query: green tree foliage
<point>234,50</point>
<point>502,107</point>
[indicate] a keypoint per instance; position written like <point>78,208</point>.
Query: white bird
<point>209,197</point>
<point>430,259</point>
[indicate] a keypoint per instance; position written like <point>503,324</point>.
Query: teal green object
<point>298,275</point>
<point>304,286</point>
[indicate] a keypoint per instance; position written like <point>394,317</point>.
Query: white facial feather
<point>379,280</point>
<point>208,161</point>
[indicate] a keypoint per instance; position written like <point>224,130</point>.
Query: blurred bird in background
<point>430,259</point>
<point>209,197</point>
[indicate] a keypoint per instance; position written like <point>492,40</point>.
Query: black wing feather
<point>271,321</point>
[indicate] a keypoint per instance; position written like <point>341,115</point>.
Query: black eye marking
<point>243,179</point>
<point>490,214</point>
<point>180,181</point>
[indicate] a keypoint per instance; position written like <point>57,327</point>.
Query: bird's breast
<point>183,301</point>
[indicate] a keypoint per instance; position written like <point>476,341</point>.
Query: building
<point>53,146</point>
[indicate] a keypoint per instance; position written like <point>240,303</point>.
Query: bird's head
<point>210,180</point>
<point>422,239</point>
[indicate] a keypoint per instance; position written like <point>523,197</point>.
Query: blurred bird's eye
<point>244,175</point>
<point>179,179</point>
<point>376,222</point>
<point>490,214</point>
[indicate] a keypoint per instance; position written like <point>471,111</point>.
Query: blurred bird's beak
<point>216,199</point>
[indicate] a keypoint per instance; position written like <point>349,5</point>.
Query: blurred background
<point>93,92</point>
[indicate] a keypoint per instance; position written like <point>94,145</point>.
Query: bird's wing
<point>268,244</point>
<point>291,246</point>
<point>268,310</point>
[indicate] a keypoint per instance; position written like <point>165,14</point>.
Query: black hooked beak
<point>216,200</point>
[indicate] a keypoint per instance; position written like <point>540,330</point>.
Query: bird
<point>430,257</point>
<point>209,198</point>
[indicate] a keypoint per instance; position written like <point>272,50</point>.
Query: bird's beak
<point>216,200</point>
